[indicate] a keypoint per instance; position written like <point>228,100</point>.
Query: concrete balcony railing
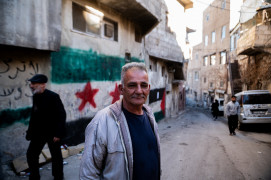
<point>255,40</point>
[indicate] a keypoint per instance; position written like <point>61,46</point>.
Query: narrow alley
<point>194,146</point>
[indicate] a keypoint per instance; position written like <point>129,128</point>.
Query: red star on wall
<point>163,103</point>
<point>115,94</point>
<point>87,95</point>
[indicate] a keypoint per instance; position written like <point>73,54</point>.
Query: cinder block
<point>74,150</point>
<point>65,153</point>
<point>42,159</point>
<point>47,155</point>
<point>20,163</point>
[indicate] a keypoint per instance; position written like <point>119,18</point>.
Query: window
<point>223,57</point>
<point>221,84</point>
<point>127,57</point>
<point>211,84</point>
<point>213,37</point>
<point>163,70</point>
<point>91,21</point>
<point>196,75</point>
<point>204,79</point>
<point>223,4</point>
<point>223,32</point>
<point>206,40</point>
<point>153,65</point>
<point>212,62</point>
<point>197,56</point>
<point>205,60</point>
<point>207,17</point>
<point>138,34</point>
<point>232,43</point>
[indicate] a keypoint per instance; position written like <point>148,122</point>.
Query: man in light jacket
<point>121,141</point>
<point>232,111</point>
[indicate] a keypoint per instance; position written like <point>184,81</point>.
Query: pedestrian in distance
<point>121,141</point>
<point>46,125</point>
<point>215,109</point>
<point>232,111</point>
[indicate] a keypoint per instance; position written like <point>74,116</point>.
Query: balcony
<point>135,10</point>
<point>255,40</point>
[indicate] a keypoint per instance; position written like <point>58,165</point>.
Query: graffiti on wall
<point>87,95</point>
<point>15,95</point>
<point>11,73</point>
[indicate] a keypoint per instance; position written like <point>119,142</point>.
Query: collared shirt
<point>232,108</point>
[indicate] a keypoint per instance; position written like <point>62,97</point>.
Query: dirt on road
<point>194,146</point>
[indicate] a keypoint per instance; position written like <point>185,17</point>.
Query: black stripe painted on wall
<point>153,97</point>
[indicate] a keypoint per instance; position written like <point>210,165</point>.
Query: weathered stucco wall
<point>33,24</point>
<point>17,65</point>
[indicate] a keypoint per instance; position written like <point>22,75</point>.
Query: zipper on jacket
<point>122,142</point>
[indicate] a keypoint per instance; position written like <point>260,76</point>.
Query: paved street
<point>194,146</point>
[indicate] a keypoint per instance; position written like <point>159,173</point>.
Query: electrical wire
<point>210,5</point>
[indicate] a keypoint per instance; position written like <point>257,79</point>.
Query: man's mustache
<point>138,96</point>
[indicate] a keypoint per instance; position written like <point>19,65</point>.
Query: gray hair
<point>128,66</point>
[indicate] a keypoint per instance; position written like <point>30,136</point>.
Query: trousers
<point>33,152</point>
<point>232,122</point>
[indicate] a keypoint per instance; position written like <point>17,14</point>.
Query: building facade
<point>81,46</point>
<point>254,46</point>
<point>207,71</point>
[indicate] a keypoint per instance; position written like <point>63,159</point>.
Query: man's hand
<point>56,139</point>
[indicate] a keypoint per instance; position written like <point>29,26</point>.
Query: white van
<point>221,105</point>
<point>255,107</point>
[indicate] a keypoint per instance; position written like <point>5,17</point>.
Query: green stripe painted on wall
<point>11,116</point>
<point>158,115</point>
<point>76,66</point>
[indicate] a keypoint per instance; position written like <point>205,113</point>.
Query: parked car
<point>255,107</point>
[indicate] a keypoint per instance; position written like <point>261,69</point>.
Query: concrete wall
<point>36,24</point>
<point>85,63</point>
<point>164,52</point>
<point>17,65</point>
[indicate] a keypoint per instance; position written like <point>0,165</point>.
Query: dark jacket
<point>215,106</point>
<point>48,116</point>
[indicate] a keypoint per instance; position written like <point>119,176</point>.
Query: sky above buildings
<point>193,18</point>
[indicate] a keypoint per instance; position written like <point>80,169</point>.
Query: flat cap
<point>39,78</point>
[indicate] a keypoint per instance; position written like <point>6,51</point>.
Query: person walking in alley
<point>46,125</point>
<point>232,111</point>
<point>215,109</point>
<point>122,141</point>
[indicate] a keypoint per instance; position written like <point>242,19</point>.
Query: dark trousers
<point>33,152</point>
<point>232,122</point>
